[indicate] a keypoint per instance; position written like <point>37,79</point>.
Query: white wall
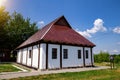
<point>53,63</point>
<point>19,56</point>
<point>29,59</point>
<point>72,60</point>
<point>42,56</point>
<point>35,57</point>
<point>24,54</point>
<point>88,61</point>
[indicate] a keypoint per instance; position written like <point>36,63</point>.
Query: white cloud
<point>84,33</point>
<point>116,30</point>
<point>115,51</point>
<point>105,50</point>
<point>118,43</point>
<point>41,23</point>
<point>98,27</point>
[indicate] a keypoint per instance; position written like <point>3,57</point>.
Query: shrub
<point>104,57</point>
<point>101,57</point>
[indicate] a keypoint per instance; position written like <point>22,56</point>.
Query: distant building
<point>4,55</point>
<point>56,46</point>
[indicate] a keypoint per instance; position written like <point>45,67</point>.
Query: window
<point>86,54</point>
<point>54,53</point>
<point>65,53</point>
<point>30,53</point>
<point>2,54</point>
<point>79,54</point>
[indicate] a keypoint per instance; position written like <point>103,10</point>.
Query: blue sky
<point>97,20</point>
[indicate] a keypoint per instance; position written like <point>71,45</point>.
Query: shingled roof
<point>58,31</point>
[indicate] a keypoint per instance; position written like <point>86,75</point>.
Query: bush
<point>101,57</point>
<point>104,57</point>
<point>117,58</point>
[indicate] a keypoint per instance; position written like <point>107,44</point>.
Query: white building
<point>56,46</point>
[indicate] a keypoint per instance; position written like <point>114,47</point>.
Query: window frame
<point>30,53</point>
<point>65,53</point>
<point>54,53</point>
<point>86,54</point>
<point>79,54</point>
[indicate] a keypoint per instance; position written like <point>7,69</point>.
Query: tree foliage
<point>19,29</point>
<point>104,57</point>
<point>101,57</point>
<point>4,17</point>
<point>117,58</point>
<point>14,29</point>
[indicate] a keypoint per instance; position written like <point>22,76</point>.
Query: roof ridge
<point>46,31</point>
<point>53,22</point>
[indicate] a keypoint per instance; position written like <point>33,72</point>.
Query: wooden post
<point>32,56</point>
<point>91,57</point>
<point>46,55</point>
<point>83,57</point>
<point>60,56</point>
<point>38,56</point>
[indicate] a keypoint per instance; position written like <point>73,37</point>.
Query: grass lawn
<point>7,67</point>
<point>86,75</point>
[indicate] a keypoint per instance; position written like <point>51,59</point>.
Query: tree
<point>102,57</point>
<point>19,29</point>
<point>14,29</point>
<point>116,58</point>
<point>4,18</point>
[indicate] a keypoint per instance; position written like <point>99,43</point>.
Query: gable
<point>62,22</point>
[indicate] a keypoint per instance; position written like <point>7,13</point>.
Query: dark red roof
<point>58,31</point>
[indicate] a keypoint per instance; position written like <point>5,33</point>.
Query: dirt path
<point>34,73</point>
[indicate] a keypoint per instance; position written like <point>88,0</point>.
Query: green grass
<point>106,74</point>
<point>7,67</point>
<point>103,64</point>
<point>87,75</point>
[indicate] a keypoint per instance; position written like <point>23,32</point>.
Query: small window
<point>30,53</point>
<point>2,55</point>
<point>54,53</point>
<point>79,54</point>
<point>86,54</point>
<point>65,53</point>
